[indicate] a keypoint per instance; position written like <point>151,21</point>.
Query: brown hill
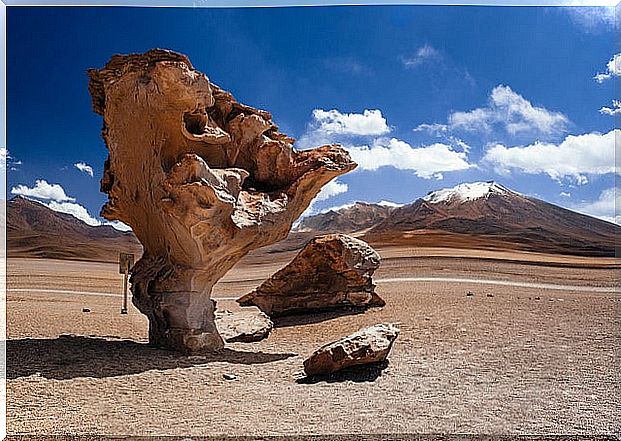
<point>488,215</point>
<point>356,217</point>
<point>34,230</point>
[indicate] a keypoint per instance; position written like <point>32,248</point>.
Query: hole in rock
<point>195,123</point>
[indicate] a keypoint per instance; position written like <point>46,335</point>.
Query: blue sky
<point>424,97</point>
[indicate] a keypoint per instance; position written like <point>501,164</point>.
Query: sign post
<point>126,261</point>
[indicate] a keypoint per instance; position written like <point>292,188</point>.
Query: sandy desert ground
<point>535,350</point>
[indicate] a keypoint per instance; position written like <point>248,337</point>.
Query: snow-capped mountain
<point>468,192</point>
<point>475,215</point>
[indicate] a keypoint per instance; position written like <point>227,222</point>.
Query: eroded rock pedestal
<point>331,271</point>
<point>201,179</point>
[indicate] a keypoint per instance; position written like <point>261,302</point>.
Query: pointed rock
<point>331,271</point>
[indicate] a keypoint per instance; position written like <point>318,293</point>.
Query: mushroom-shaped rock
<point>367,346</point>
<point>248,325</point>
<point>201,179</point>
<point>331,271</point>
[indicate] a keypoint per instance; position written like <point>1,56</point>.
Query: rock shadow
<point>307,318</point>
<point>358,374</point>
<point>71,356</point>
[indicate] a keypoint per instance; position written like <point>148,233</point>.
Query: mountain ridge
<point>35,230</point>
<point>485,215</point>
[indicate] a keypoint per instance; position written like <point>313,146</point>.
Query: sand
<point>523,361</point>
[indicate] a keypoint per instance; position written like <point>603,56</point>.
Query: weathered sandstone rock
<point>369,345</point>
<point>201,179</point>
<point>331,271</point>
<point>245,326</point>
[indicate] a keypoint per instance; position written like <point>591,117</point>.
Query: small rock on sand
<point>367,346</point>
<point>248,325</point>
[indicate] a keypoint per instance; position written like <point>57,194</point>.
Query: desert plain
<point>532,350</point>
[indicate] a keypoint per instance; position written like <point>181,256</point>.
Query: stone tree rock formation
<point>331,271</point>
<point>201,179</point>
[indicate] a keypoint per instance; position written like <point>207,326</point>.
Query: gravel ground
<point>521,361</point>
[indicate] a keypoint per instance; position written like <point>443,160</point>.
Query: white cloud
<point>427,161</point>
<point>85,168</point>
<point>614,110</point>
<point>331,189</point>
<point>565,194</point>
<point>43,190</point>
<point>424,54</point>
<point>511,111</point>
<point>613,69</point>
<point>118,225</point>
<point>7,161</point>
<point>330,125</point>
<point>80,212</point>
<point>59,201</point>
<point>76,210</point>
<point>605,207</point>
<point>370,122</point>
<point>575,157</point>
<point>433,129</point>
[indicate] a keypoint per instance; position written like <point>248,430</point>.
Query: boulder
<point>201,179</point>
<point>367,346</point>
<point>247,325</point>
<point>331,271</point>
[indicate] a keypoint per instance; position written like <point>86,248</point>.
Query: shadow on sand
<point>70,356</point>
<point>306,318</point>
<point>358,374</point>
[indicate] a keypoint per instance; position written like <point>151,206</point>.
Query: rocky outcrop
<point>248,325</point>
<point>331,271</point>
<point>201,179</point>
<point>367,346</point>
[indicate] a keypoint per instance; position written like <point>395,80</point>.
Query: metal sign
<point>126,262</point>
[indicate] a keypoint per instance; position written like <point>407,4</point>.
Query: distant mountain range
<point>480,215</point>
<point>34,230</point>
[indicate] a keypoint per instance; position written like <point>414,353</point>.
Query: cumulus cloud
<point>575,157</point>
<point>613,69</point>
<point>369,122</point>
<point>426,161</point>
<point>43,190</point>
<point>511,111</point>
<point>605,207</point>
<point>331,189</point>
<point>80,212</point>
<point>614,110</point>
<point>84,168</point>
<point>423,55</point>
<point>328,125</point>
<point>76,210</point>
